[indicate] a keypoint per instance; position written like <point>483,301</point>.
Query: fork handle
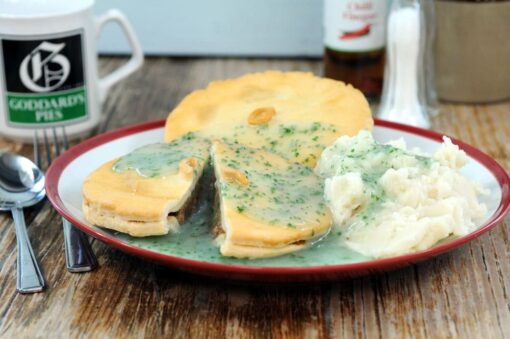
<point>29,277</point>
<point>79,254</point>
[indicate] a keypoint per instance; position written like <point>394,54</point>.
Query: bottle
<point>354,39</point>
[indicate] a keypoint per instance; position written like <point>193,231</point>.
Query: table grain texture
<point>461,294</point>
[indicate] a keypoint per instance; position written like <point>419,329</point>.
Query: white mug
<point>48,65</point>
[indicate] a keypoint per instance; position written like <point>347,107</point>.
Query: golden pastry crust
<point>131,203</point>
<point>295,97</point>
<point>248,234</point>
<point>133,196</point>
<point>97,215</point>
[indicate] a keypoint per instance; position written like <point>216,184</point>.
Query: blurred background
<point>470,48</point>
<point>220,27</point>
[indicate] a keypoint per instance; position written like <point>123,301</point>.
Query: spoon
<point>22,185</point>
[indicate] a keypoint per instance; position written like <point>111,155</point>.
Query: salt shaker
<point>404,97</point>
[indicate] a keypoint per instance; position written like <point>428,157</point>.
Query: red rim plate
<point>275,274</point>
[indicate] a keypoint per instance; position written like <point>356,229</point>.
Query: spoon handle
<point>79,255</point>
<point>29,276</point>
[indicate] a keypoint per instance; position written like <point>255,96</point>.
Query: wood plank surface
<point>461,294</point>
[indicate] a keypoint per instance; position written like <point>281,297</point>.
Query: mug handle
<point>134,63</point>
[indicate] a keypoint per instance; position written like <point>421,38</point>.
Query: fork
<point>79,254</point>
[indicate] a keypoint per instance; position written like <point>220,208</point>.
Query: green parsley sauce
<point>163,159</point>
<point>295,194</point>
<point>300,142</point>
<point>194,241</point>
<point>287,194</point>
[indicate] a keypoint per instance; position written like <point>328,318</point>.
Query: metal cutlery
<point>22,185</point>
<point>79,254</point>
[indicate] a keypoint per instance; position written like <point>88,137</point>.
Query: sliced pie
<point>268,206</point>
<point>269,130</point>
<point>148,191</point>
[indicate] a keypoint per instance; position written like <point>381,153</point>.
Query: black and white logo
<point>35,68</point>
<point>44,65</point>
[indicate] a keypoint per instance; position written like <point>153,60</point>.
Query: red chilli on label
<point>365,30</point>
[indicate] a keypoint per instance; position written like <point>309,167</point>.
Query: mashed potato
<point>388,200</point>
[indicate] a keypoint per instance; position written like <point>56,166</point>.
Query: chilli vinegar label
<point>44,81</point>
<point>355,25</point>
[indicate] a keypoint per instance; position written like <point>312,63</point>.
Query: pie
<point>263,133</point>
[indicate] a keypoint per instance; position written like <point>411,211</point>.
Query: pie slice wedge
<point>149,191</point>
<point>268,206</point>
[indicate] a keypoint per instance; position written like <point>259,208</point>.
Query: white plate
<point>68,172</point>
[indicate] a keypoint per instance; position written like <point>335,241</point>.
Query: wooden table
<point>465,293</point>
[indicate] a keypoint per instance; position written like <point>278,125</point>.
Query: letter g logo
<point>44,69</point>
